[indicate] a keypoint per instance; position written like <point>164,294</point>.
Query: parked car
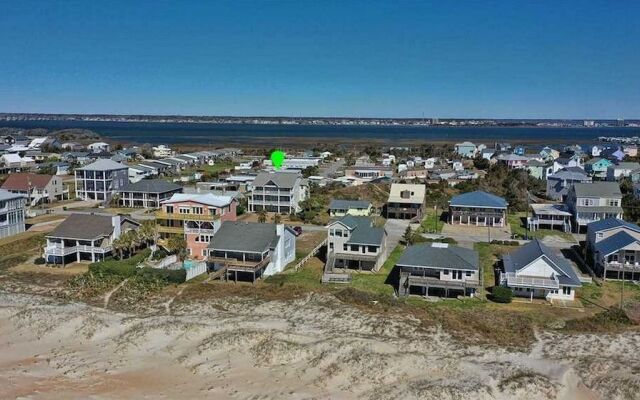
<point>297,230</point>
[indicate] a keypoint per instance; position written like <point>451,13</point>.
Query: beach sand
<point>310,348</point>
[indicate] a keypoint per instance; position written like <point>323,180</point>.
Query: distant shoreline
<point>186,135</point>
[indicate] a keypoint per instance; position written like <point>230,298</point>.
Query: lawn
<point>378,283</point>
<point>432,221</point>
<point>516,220</point>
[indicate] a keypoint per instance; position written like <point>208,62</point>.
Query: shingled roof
<point>24,181</point>
<point>441,256</point>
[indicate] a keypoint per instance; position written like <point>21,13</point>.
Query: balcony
<point>186,217</point>
<point>623,266</point>
<point>199,231</point>
<point>170,229</point>
<point>239,265</point>
<point>65,251</point>
<point>436,282</point>
<point>514,280</point>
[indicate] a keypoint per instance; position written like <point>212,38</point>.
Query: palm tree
<point>148,232</point>
<point>118,246</point>
<point>277,219</point>
<point>178,245</point>
<point>262,216</point>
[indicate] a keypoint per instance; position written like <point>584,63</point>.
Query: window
<point>445,272</point>
<point>339,232</point>
<point>204,252</point>
<point>331,246</point>
<point>468,273</point>
<point>169,209</point>
<point>372,249</point>
<point>566,290</point>
<point>331,233</point>
<point>354,247</point>
<point>197,210</point>
<point>600,235</point>
<point>345,247</point>
<point>184,210</point>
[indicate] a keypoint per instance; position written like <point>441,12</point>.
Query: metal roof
<point>615,242</point>
<point>478,198</point>
<point>532,251</point>
<point>439,255</point>
<point>206,199</point>
<point>610,223</point>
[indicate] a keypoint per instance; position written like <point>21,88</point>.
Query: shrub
<point>123,268</point>
<point>159,254</point>
<point>39,261</point>
<point>501,294</point>
<point>166,275</point>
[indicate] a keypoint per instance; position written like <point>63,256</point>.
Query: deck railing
<point>529,281</point>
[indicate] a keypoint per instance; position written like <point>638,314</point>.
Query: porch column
<point>93,254</point>
<point>77,252</point>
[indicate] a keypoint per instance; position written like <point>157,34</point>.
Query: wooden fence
<point>310,255</point>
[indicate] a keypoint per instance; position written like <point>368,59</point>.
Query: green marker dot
<point>277,158</point>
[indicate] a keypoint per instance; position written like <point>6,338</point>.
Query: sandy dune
<point>316,348</point>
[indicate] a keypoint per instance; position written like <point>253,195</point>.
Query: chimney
<point>115,222</point>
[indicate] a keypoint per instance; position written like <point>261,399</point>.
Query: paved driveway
<point>395,229</point>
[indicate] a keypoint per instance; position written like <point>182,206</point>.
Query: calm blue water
<point>155,133</point>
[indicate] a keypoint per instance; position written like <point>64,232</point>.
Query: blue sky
<point>507,59</point>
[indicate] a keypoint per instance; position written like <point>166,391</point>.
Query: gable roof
<point>611,223</point>
<point>150,186</point>
<point>285,180</point>
<point>597,189</point>
<point>337,204</point>
<point>103,164</point>
<point>362,230</point>
<point>440,255</point>
<point>251,237</point>
<point>478,198</point>
<point>615,242</point>
<point>24,181</point>
<point>206,199</point>
<point>570,173</point>
<point>535,249</point>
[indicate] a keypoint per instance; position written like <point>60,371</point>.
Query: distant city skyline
<point>469,60</point>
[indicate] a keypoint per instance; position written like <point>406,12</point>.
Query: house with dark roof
<point>37,188</point>
<point>249,251</point>
<point>438,269</point>
<point>535,271</point>
<point>100,180</point>
<point>147,193</point>
<point>12,213</point>
<point>590,202</point>
<point>340,208</point>
<point>196,217</point>
<point>559,183</point>
<point>85,237</point>
<point>478,208</point>
<point>355,243</point>
<point>279,192</point>
<point>614,248</point>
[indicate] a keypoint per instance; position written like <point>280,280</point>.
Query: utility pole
<point>622,293</point>
<point>527,216</point>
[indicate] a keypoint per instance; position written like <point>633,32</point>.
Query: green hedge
<point>127,268</point>
<point>501,294</point>
<point>506,242</point>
